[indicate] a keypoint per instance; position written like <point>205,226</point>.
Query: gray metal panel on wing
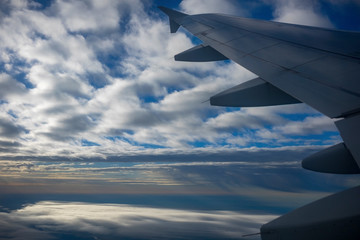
<point>282,52</point>
<point>329,40</point>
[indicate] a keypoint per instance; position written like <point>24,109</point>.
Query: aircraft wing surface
<point>316,66</point>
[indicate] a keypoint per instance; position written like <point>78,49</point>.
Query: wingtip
<point>162,8</point>
<point>172,13</point>
<point>174,17</point>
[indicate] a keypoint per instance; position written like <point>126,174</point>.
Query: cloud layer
<point>75,83</point>
<point>47,220</point>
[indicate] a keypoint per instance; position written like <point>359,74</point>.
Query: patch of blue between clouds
<point>11,113</point>
<point>298,116</point>
<point>191,202</point>
<point>43,4</point>
<point>118,138</point>
<point>262,11</point>
<point>170,4</point>
<point>18,72</point>
<point>134,143</point>
<point>150,99</point>
<point>96,80</point>
<point>86,143</point>
<point>148,145</point>
<point>200,144</point>
<point>346,17</point>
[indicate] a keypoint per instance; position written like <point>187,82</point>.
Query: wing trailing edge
<point>253,93</point>
<point>200,53</point>
<point>335,159</point>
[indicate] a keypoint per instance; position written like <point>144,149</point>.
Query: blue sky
<point>95,114</point>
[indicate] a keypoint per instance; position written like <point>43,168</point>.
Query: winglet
<point>174,18</point>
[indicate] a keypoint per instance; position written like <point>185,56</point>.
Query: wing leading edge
<point>317,66</point>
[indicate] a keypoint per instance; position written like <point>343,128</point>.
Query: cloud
<point>10,88</point>
<point>47,219</point>
<point>310,125</point>
<point>212,6</point>
<point>73,77</point>
<point>300,12</point>
<point>75,20</point>
<point>251,173</point>
<point>9,129</point>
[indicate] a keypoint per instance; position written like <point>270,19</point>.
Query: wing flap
<point>253,93</point>
<point>335,159</point>
<point>200,53</point>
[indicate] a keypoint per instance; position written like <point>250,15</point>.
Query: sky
<point>103,134</point>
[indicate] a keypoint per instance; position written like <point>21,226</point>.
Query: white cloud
<point>300,12</point>
<point>212,6</point>
<point>310,125</point>
<point>94,15</point>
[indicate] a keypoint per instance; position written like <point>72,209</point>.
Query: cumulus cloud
<point>300,12</point>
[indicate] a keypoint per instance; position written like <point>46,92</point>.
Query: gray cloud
<point>9,129</point>
<point>224,172</point>
<point>10,87</point>
<point>69,127</point>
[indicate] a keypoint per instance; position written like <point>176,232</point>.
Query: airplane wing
<point>294,63</point>
<point>316,66</point>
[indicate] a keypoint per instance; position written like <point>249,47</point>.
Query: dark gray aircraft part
<point>316,66</point>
